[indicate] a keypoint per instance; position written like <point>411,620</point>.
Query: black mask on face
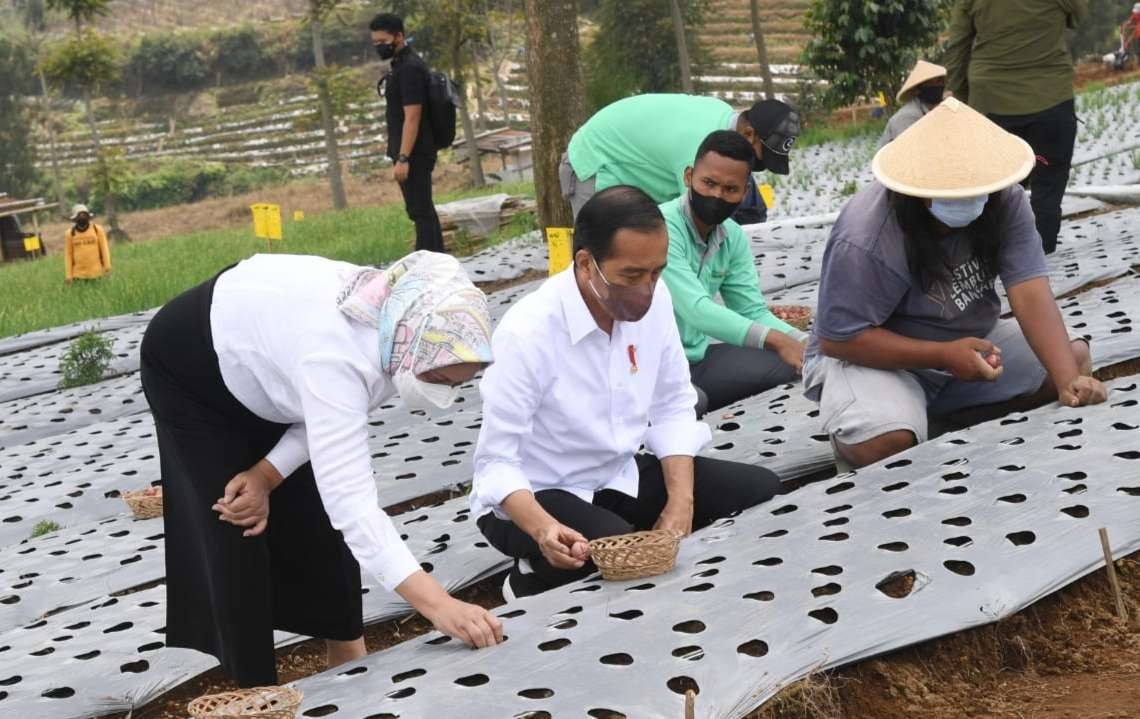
<point>931,94</point>
<point>81,224</point>
<point>386,50</point>
<point>711,210</point>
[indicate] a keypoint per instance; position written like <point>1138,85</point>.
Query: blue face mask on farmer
<point>958,213</point>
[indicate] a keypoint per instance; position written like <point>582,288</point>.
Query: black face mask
<point>386,50</point>
<point>711,210</point>
<point>931,94</point>
<point>81,225</point>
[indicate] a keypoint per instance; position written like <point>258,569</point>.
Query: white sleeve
<point>673,426</point>
<point>511,393</point>
<point>334,399</point>
<point>290,452</point>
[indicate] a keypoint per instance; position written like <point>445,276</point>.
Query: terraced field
<point>727,35</point>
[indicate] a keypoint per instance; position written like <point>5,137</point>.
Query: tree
<point>318,11</point>
<point>862,48</point>
<point>557,105</point>
<point>635,49</point>
<point>88,61</point>
<point>762,50</point>
<point>17,150</point>
<point>505,21</point>
<point>682,48</point>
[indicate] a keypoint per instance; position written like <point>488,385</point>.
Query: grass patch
<point>33,294</point>
<point>821,134</point>
<point>45,526</point>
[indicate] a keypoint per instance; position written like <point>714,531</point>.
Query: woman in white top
<point>261,382</point>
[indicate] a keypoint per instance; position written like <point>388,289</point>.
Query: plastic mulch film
<point>36,371</point>
<point>31,418</point>
<point>956,533</point>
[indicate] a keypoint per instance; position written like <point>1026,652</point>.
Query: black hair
<point>387,22</point>
<point>921,233</point>
<point>727,143</point>
<point>621,207</point>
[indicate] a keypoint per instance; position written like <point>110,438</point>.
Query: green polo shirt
<point>646,141</point>
<point>699,270</point>
<point>1009,57</point>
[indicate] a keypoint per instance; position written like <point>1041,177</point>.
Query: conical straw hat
<point>951,153</point>
<point>922,72</point>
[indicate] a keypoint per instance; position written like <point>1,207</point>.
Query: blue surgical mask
<point>958,213</point>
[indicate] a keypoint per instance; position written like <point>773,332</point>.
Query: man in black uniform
<point>410,143</point>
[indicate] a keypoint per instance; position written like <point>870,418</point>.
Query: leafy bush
<point>862,48</point>
<point>1100,32</point>
<point>86,360</point>
<point>635,49</point>
<point>169,61</point>
<point>45,526</point>
<point>175,182</point>
<point>239,53</point>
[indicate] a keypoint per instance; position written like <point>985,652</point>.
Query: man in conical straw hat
<point>920,94</point>
<point>908,324</point>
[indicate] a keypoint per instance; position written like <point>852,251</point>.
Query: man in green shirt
<point>710,254</point>
<point>1008,60</point>
<point>647,141</point>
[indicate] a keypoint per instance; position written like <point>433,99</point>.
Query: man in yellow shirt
<point>86,253</point>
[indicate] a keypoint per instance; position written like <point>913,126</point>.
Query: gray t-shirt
<point>866,281</point>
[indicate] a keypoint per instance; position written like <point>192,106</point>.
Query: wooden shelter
<point>15,242</point>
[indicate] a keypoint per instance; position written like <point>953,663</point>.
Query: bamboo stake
<point>690,704</point>
<point>1110,567</point>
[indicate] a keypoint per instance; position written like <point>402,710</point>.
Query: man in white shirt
<point>588,369</point>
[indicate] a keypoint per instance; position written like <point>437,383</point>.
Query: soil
<point>1066,657</point>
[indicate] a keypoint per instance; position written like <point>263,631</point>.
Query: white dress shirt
<point>290,356</point>
<point>562,406</point>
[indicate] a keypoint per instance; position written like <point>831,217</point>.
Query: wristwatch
<point>402,158</point>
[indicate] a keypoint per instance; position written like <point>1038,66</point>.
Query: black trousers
<point>1051,133</point>
<point>729,374</point>
<point>419,204</point>
<point>720,489</point>
<point>225,593</point>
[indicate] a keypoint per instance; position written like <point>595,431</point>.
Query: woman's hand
<point>467,622</point>
<point>246,500</point>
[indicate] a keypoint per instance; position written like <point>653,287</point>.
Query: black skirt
<point>226,593</point>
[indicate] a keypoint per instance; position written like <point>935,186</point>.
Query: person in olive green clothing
<point>86,254</point>
<point>647,141</point>
<point>1008,60</point>
<point>710,254</point>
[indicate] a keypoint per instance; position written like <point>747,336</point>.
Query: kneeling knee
<point>878,448</point>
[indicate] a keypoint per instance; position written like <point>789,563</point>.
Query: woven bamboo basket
<point>636,555</point>
<point>144,506</point>
<point>258,703</point>
<point>798,316</point>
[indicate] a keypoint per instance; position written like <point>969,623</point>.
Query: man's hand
<point>400,172</point>
<point>972,360</point>
<point>677,517</point>
<point>1082,391</point>
<point>246,501</point>
<point>563,547</point>
<point>790,351</point>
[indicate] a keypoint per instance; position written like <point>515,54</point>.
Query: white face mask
<point>958,213</point>
<point>417,394</point>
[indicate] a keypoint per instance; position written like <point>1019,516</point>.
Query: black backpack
<point>444,100</point>
<point>443,106</point>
